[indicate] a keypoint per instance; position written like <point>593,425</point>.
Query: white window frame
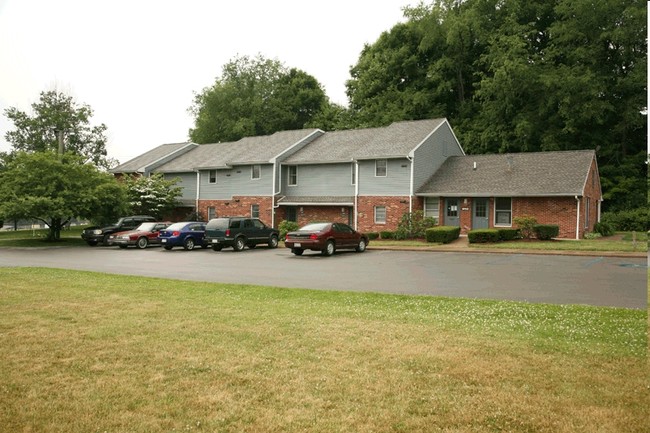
<point>295,175</point>
<point>385,168</point>
<point>255,213</point>
<point>498,210</point>
<point>259,172</point>
<point>212,212</point>
<point>377,221</point>
<point>210,176</point>
<point>428,209</point>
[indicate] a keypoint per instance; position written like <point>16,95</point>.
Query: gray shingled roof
<point>248,150</point>
<point>140,163</point>
<point>513,174</point>
<point>394,141</point>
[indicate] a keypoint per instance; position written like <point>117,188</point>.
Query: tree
<point>255,96</point>
<point>57,119</point>
<point>54,189</point>
<point>152,195</point>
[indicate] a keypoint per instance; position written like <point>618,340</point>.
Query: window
<point>293,175</point>
<point>290,214</point>
<point>354,174</point>
<point>503,211</point>
<point>212,213</point>
<point>213,176</point>
<point>381,167</point>
<point>432,207</point>
<point>255,211</point>
<point>380,214</point>
<point>256,171</point>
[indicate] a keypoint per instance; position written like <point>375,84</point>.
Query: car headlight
<point>126,238</point>
<point>97,232</point>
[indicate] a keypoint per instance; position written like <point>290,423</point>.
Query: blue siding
<point>187,182</point>
<point>320,180</point>
<point>237,181</point>
<point>396,182</point>
<point>432,153</point>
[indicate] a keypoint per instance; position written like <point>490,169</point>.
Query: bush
<point>413,225</point>
<point>372,235</point>
<point>286,227</point>
<point>635,220</point>
<point>482,236</point>
<point>509,234</point>
<point>604,228</point>
<point>442,234</point>
<point>387,235</point>
<point>526,225</point>
<point>544,232</point>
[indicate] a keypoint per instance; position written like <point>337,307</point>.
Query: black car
<point>239,232</point>
<point>96,234</point>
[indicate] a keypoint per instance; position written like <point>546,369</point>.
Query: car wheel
<point>216,247</point>
<point>168,247</point>
<point>122,246</point>
<point>297,251</point>
<point>188,244</point>
<point>329,248</point>
<point>362,246</point>
<point>239,244</point>
<point>142,243</point>
<point>273,242</point>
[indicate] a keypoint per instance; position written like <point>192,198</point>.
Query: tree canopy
<point>255,96</point>
<point>58,118</point>
<point>153,195</point>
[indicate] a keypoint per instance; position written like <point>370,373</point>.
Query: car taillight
<point>176,233</point>
<point>227,232</point>
<point>313,236</point>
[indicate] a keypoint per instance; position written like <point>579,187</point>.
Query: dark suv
<point>95,235</point>
<point>238,232</point>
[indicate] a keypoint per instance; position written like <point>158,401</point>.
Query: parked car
<point>94,235</point>
<point>238,232</point>
<point>188,234</point>
<point>144,235</point>
<point>325,237</point>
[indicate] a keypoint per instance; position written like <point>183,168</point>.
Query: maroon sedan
<point>146,234</point>
<point>326,238</point>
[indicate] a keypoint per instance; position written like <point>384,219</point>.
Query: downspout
<point>356,194</point>
<point>411,185</point>
<point>578,217</point>
<point>273,194</point>
<point>279,178</point>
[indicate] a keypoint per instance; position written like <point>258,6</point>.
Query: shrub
<point>526,225</point>
<point>483,235</point>
<point>372,235</point>
<point>635,220</point>
<point>286,227</point>
<point>545,232</point>
<point>509,234</point>
<point>413,225</point>
<point>442,234</point>
<point>387,235</point>
<point>604,228</point>
<point>594,235</point>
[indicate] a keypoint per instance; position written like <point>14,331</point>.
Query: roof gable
<point>156,156</point>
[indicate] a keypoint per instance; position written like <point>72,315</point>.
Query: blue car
<point>186,234</point>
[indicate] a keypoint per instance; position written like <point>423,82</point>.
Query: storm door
<point>480,213</point>
<point>452,217</point>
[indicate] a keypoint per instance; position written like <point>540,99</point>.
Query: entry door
<point>480,213</point>
<point>451,214</point>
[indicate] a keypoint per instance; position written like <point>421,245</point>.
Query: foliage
<point>56,116</point>
<point>526,225</point>
<point>54,189</point>
<point>386,234</point>
<point>286,226</point>
<point>483,236</point>
<point>630,220</point>
<point>255,96</point>
<point>372,235</point>
<point>413,225</point>
<point>604,228</point>
<point>442,234</point>
<point>153,195</point>
<point>545,232</point>
<point>509,234</point>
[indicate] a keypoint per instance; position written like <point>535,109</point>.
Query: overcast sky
<point>137,63</point>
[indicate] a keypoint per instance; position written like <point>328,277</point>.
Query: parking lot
<point>601,281</point>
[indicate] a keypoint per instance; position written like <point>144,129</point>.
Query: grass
<point>93,352</point>
<point>37,238</point>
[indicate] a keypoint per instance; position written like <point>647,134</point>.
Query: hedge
<point>545,232</point>
<point>635,220</point>
<point>442,234</point>
<point>387,235</point>
<point>482,236</point>
<point>509,234</point>
<point>372,235</point>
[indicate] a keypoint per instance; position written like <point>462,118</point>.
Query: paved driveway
<point>602,281</point>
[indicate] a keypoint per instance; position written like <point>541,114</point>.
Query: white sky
<point>137,63</point>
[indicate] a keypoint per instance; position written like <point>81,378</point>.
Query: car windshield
<point>177,226</point>
<point>314,227</point>
<point>146,227</point>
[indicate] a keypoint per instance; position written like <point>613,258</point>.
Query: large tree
<point>153,195</point>
<point>54,189</point>
<point>57,120</point>
<point>255,96</point>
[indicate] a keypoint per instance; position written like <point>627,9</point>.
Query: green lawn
<point>37,238</point>
<point>90,352</point>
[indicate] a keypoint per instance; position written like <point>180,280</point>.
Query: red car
<point>326,238</point>
<point>144,235</point>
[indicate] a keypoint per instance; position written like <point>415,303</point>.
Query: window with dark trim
<point>256,171</point>
<point>255,211</point>
<point>381,167</point>
<point>212,175</point>
<point>293,175</point>
<point>503,211</point>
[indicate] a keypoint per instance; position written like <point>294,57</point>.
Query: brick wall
<point>309,214</point>
<point>395,208</point>
<point>559,211</point>
<point>238,206</point>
